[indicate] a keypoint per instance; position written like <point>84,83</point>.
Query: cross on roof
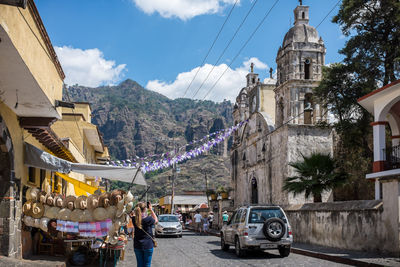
<point>301,2</point>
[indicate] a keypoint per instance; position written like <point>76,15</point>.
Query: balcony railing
<point>392,158</point>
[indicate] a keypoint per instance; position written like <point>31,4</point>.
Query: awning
<point>35,157</point>
<point>80,187</point>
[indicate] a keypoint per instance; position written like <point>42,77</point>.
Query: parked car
<point>168,225</point>
<point>257,227</point>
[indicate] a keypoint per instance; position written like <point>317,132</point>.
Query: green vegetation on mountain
<point>136,122</point>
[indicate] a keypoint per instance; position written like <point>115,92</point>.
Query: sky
<point>161,44</point>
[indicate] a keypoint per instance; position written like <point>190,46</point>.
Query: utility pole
<point>173,180</point>
<point>205,177</point>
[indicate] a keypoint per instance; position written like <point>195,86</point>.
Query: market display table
<point>110,254</point>
<point>70,242</point>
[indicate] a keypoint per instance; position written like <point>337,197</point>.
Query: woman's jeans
<point>143,257</point>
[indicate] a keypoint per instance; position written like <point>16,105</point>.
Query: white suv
<point>257,227</point>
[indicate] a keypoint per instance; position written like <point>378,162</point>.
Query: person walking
<point>205,224</point>
<point>225,218</point>
<point>143,241</point>
<point>197,222</point>
<point>130,228</point>
<point>210,219</point>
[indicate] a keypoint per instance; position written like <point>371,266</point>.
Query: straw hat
<point>50,199</point>
<point>69,202</point>
<point>104,200</point>
<point>113,238</point>
<point>42,197</point>
<point>51,212</point>
<point>92,202</point>
<point>81,202</point>
<point>58,201</point>
<point>100,214</point>
<point>116,196</point>
<point>87,216</point>
<point>128,197</point>
<point>37,210</point>
<point>120,209</point>
<point>64,214</point>
<point>111,211</point>
<point>27,208</point>
<point>43,223</point>
<point>122,220</point>
<point>29,221</point>
<point>32,193</point>
<point>76,215</point>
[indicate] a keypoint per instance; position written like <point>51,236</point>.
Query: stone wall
<point>353,225</point>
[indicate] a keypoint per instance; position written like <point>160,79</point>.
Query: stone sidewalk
<point>355,258</point>
<point>42,261</point>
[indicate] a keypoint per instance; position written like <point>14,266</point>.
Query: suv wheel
<point>274,229</point>
<point>238,250</point>
<point>284,251</point>
<point>224,246</point>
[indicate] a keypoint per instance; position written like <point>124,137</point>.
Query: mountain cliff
<point>136,122</point>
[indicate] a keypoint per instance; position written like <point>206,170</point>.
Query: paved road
<point>192,250</point>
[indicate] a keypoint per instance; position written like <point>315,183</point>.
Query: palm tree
<point>316,173</point>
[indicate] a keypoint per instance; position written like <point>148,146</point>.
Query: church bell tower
<point>299,69</point>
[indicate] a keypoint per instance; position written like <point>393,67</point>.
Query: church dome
<point>301,33</point>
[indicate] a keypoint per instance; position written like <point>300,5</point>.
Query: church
<point>281,120</point>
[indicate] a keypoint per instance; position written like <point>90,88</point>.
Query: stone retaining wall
<point>354,225</point>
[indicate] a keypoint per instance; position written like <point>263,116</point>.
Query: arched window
<point>307,69</point>
<point>280,114</point>
<point>254,191</point>
<point>303,16</point>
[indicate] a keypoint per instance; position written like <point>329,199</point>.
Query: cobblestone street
<point>194,250</point>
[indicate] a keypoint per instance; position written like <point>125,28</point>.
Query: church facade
<point>281,116</point>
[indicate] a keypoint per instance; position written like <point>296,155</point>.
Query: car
<point>168,225</point>
<point>257,227</point>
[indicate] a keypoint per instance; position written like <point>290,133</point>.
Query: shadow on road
<point>249,255</point>
<point>215,243</point>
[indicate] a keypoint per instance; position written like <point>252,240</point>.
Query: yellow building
<point>83,140</point>
<point>31,81</point>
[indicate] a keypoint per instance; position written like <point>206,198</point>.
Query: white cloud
<point>182,9</point>
<point>227,88</point>
<point>88,67</point>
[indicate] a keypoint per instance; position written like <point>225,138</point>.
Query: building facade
<point>282,118</point>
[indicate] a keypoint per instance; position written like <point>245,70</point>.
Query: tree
<point>371,60</point>
<point>316,174</point>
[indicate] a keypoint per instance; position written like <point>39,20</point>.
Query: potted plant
<point>224,193</point>
<point>212,194</point>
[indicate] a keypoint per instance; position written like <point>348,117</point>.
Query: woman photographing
<point>143,241</point>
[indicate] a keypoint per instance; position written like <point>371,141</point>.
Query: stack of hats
<point>42,206</point>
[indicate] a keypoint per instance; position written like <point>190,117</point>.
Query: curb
<point>332,258</point>
<point>322,256</point>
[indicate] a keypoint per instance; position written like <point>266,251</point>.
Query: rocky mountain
<point>135,121</point>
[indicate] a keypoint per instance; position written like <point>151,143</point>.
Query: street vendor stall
<point>93,222</point>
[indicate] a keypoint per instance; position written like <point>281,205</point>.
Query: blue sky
<point>160,43</point>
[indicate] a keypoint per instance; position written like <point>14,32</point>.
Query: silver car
<point>257,227</point>
<point>168,225</point>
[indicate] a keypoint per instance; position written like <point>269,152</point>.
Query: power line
<point>328,13</point>
<point>211,47</point>
<point>226,47</point>
<point>241,49</point>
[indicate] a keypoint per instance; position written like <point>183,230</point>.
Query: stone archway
<point>10,239</point>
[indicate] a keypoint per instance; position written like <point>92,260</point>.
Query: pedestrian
<point>205,224</point>
<point>197,222</point>
<point>225,218</point>
<point>143,241</point>
<point>210,219</point>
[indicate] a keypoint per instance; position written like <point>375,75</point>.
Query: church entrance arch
<point>254,191</point>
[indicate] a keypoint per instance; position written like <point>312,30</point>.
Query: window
<point>31,175</point>
<point>232,220</point>
<point>303,15</point>
<point>243,217</point>
<point>259,215</point>
<point>254,191</point>
<point>237,217</point>
<point>307,69</point>
<point>56,187</point>
<point>308,103</point>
